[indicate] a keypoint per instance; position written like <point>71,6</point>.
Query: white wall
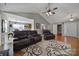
<point>15,18</point>
<point>36,17</point>
<point>55,28</point>
<point>78,29</point>
<point>50,27</point>
<point>0,27</point>
<point>70,29</point>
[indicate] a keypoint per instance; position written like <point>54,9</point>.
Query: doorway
<point>59,29</point>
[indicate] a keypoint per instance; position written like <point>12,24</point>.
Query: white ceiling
<point>62,13</point>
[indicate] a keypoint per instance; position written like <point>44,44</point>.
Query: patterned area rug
<point>47,48</point>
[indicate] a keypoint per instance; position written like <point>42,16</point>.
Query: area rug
<point>47,48</point>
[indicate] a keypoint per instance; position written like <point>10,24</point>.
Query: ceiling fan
<point>50,12</point>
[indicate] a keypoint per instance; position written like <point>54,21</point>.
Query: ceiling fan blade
<point>55,8</point>
<point>53,12</point>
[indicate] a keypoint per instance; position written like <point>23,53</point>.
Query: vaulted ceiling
<point>62,13</point>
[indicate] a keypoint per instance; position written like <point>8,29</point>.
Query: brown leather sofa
<point>48,35</point>
<point>25,38</point>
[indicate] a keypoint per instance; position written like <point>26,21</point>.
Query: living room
<point>39,29</point>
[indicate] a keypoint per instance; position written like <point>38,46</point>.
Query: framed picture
<point>28,26</point>
<point>37,25</point>
<point>3,25</point>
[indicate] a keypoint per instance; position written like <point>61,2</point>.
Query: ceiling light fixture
<point>71,19</point>
<point>48,11</point>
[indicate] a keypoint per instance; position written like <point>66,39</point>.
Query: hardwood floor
<point>73,41</point>
<point>18,53</point>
